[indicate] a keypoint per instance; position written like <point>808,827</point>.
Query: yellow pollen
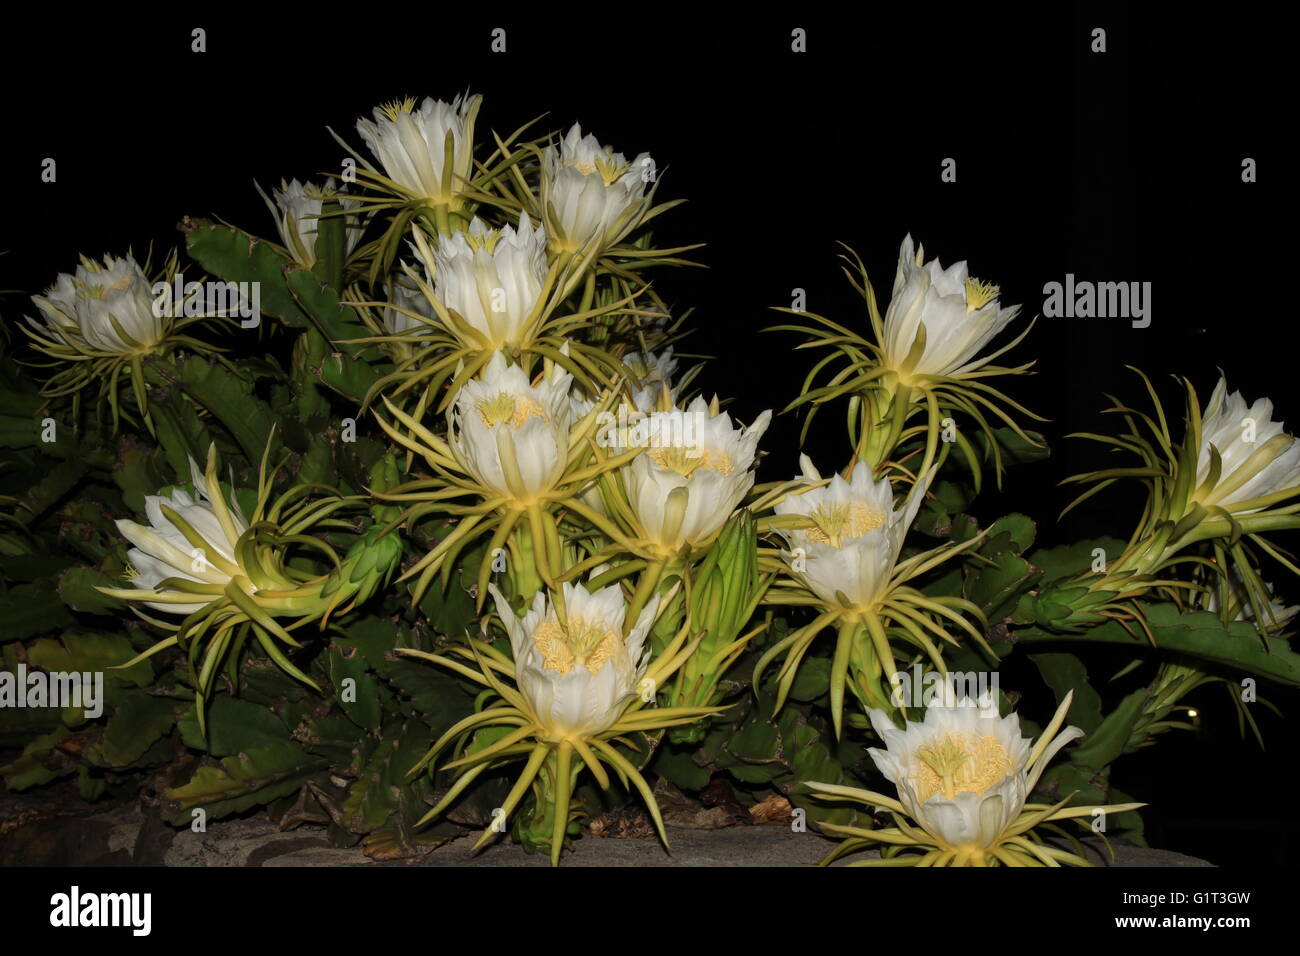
<point>838,523</point>
<point>508,409</point>
<point>589,644</point>
<point>391,110</point>
<point>960,763</point>
<point>487,241</point>
<point>979,294</point>
<point>610,172</point>
<point>100,290</point>
<point>685,461</point>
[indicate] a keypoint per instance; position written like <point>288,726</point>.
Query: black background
<point>1121,166</point>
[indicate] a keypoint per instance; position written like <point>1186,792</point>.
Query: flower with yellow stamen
<point>513,442</point>
<point>963,775</point>
<point>591,194</point>
<point>928,356</point>
<point>844,542</point>
<point>104,307</point>
<point>297,209</point>
<point>413,145</point>
<point>583,683</point>
<point>696,470</point>
<point>101,322</point>
<point>959,313</point>
<point>578,672</point>
<point>490,283</point>
<point>512,436</point>
<point>856,535</point>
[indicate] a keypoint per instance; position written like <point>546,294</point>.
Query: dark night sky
<point>1122,166</point>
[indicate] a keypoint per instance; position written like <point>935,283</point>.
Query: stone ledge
<point>124,836</point>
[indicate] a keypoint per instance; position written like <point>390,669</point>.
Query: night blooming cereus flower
<point>412,146</point>
<point>656,371</point>
<point>515,443</point>
<point>297,210</point>
<point>928,358</point>
<point>230,576</point>
<point>510,435</point>
<point>848,555</point>
<point>190,538</point>
<point>583,680</point>
<point>493,281</point>
<point>845,538</point>
<point>591,193</point>
<point>405,303</point>
<point>963,774</point>
<point>960,315</point>
<point>103,308</point>
<point>579,673</point>
<point>696,469</point>
<point>1258,463</point>
<point>99,324</point>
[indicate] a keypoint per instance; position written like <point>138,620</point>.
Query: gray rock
<point>126,835</point>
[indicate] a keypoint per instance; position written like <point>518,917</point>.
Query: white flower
<point>493,280</point>
<point>963,773</point>
<point>858,534</point>
<point>398,321</point>
<point>591,193</point>
<point>510,435</point>
<point>411,145</point>
<point>107,307</point>
<point>297,209</point>
<point>961,315</point>
<point>655,370</point>
<point>578,674</point>
<point>1257,457</point>
<point>162,551</point>
<point>695,471</point>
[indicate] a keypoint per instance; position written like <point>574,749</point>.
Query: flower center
<point>486,241</point>
<point>508,409</point>
<point>391,110</point>
<point>587,643</point>
<point>979,294</point>
<point>685,460</point>
<point>960,763</point>
<point>100,290</point>
<point>610,171</point>
<point>837,523</point>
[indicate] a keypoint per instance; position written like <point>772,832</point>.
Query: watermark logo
<point>918,688</point>
<point>632,428</point>
<point>1081,299</point>
<point>37,688</point>
<point>75,908</point>
<point>241,300</point>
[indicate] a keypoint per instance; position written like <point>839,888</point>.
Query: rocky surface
<point>125,835</point>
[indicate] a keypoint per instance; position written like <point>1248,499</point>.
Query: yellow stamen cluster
<point>487,241</point>
<point>391,110</point>
<point>839,523</point>
<point>100,290</point>
<point>960,763</point>
<point>508,409</point>
<point>610,172</point>
<point>979,294</point>
<point>685,461</point>
<point>589,644</point>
